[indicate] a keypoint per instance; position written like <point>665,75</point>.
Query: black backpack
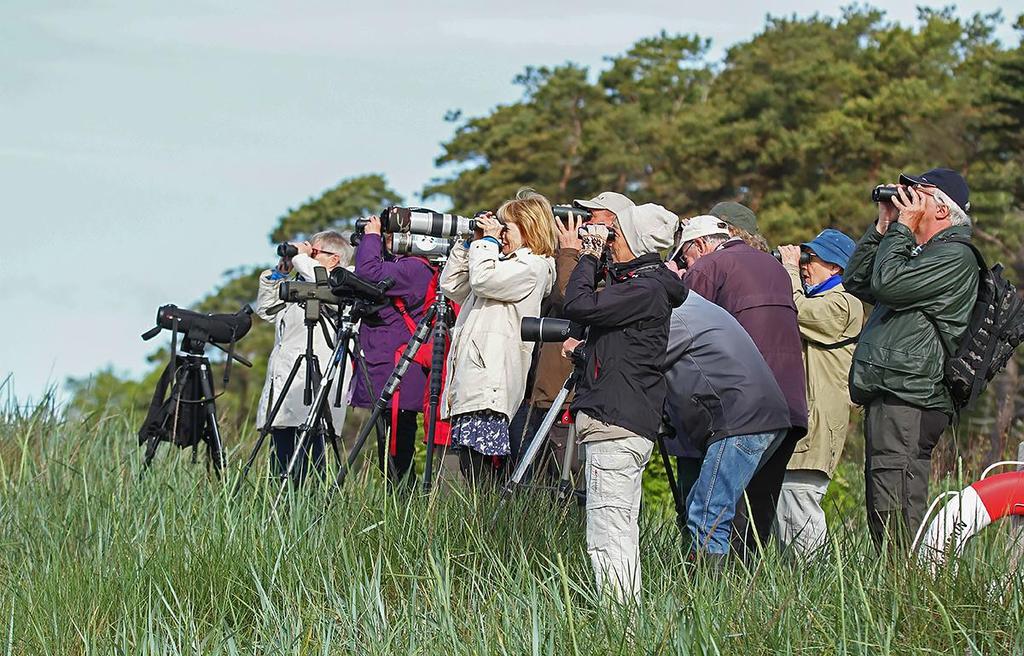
<point>995,329</point>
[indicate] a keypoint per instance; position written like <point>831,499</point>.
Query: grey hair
<point>714,240</point>
<point>957,216</point>
<point>333,241</point>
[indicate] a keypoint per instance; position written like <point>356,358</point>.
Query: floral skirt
<point>484,431</point>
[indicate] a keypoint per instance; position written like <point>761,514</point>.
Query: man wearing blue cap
<point>830,319</point>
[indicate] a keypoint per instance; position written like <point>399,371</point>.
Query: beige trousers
<point>799,518</point>
<point>615,462</point>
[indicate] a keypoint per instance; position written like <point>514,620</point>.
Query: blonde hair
<point>754,241</point>
<point>532,213</point>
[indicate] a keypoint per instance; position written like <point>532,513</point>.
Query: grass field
<point>95,561</point>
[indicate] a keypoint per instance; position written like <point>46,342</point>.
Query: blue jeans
<point>728,466</point>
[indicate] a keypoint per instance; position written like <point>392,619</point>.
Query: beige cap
<point>704,225</point>
<point>608,200</point>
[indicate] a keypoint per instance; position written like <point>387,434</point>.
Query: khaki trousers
<point>615,462</point>
<point>799,518</point>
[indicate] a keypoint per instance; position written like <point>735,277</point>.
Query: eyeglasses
<point>316,251</point>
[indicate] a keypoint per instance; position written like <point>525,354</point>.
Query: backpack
<point>995,329</point>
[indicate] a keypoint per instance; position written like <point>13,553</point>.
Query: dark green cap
<point>736,215</point>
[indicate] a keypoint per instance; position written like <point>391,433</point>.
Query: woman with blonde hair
<point>499,277</point>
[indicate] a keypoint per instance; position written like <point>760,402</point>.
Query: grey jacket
<point>718,384</point>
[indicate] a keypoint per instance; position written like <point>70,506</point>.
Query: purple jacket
<point>412,276</point>
<point>754,287</point>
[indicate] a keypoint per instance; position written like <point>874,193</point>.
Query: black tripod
<point>435,322</point>
<point>188,414</point>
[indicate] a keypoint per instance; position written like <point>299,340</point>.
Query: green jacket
<point>923,297</point>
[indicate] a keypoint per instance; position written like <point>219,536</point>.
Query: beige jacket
<point>824,320</point>
<point>488,362</point>
<point>289,343</point>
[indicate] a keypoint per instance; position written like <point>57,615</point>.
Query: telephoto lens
<point>883,194</point>
<point>805,257</point>
<point>421,221</point>
<point>404,243</point>
<point>564,212</point>
<point>287,250</point>
<point>545,329</point>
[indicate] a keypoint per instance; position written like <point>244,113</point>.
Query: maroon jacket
<point>755,288</point>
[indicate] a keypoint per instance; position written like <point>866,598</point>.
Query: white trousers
<point>799,518</point>
<point>615,462</point>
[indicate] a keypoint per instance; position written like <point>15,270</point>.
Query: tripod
<point>566,486</point>
<point>435,322</point>
<point>188,415</point>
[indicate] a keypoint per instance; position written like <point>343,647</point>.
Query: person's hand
<point>489,226</point>
<point>911,205</point>
<point>569,232</point>
<point>373,225</point>
<point>790,256</point>
<point>887,213</point>
<point>304,247</point>
<point>594,240</point>
<point>568,346</point>
<point>284,265</point>
<point>674,267</point>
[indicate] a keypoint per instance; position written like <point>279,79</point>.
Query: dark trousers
<point>753,526</point>
<point>310,459</point>
<point>899,439</point>
<point>405,444</point>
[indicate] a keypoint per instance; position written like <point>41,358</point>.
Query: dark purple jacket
<point>754,287</point>
<point>412,276</point>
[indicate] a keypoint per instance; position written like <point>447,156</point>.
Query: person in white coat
<point>329,250</point>
<point>498,278</point>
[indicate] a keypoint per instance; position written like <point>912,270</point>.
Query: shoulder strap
<point>843,343</point>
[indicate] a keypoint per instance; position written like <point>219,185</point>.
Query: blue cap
<point>832,246</point>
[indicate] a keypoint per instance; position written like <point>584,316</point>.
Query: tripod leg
<point>382,436</point>
<point>151,444</point>
<point>436,372</point>
<point>388,392</point>
<point>269,422</point>
<point>216,447</point>
<point>677,499</point>
<point>536,443</point>
<point>566,482</point>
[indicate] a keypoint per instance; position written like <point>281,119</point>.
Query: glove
<point>594,240</point>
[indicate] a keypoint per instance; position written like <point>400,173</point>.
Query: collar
<point>622,270</point>
<point>825,285</point>
<point>731,241</point>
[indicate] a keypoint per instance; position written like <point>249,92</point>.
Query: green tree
<point>337,207</point>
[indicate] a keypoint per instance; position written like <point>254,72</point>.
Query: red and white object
<point>968,512</point>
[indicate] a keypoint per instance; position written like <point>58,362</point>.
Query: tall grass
<point>94,559</point>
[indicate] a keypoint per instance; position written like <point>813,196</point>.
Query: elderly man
<point>753,287</point>
<point>830,319</point>
<point>328,250</point>
<point>621,394</point>
<point>923,285</point>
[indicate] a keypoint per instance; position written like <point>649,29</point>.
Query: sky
<point>146,148</point>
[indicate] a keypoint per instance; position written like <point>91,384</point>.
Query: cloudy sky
<point>146,147</point>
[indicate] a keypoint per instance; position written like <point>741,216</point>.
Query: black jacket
<point>622,383</point>
<point>718,384</point>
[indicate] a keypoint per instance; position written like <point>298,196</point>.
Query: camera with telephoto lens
<point>805,257</point>
<point>565,212</point>
<point>546,329</point>
<point>420,221</point>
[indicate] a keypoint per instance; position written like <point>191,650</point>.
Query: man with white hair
<point>329,250</point>
<point>914,266</point>
<point>621,393</point>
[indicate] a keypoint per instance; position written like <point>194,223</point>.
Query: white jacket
<point>289,344</point>
<point>488,362</point>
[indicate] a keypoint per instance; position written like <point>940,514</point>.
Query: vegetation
<point>96,560</point>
